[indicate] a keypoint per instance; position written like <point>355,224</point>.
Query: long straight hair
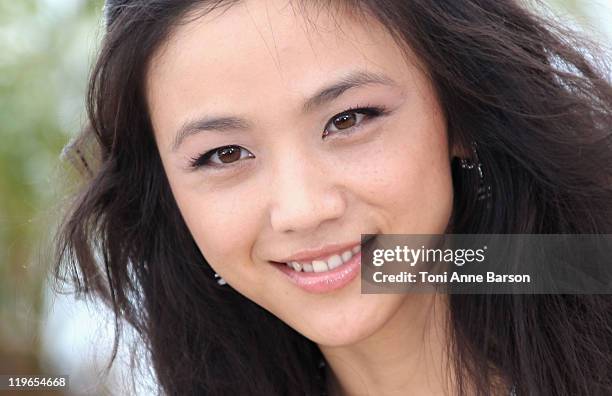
<point>522,87</point>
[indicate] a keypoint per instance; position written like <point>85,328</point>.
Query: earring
<point>484,190</point>
<point>220,280</point>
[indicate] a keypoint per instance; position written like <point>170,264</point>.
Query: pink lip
<point>323,282</point>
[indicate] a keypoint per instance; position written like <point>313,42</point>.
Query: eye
<point>351,119</point>
<point>221,157</point>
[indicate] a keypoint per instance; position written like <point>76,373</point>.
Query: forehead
<point>263,52</point>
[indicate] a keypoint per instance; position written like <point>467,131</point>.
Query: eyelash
<point>368,111</point>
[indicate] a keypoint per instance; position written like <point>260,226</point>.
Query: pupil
<point>345,121</point>
<point>229,154</point>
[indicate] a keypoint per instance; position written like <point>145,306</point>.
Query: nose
<point>304,194</point>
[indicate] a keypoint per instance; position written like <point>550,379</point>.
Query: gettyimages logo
<point>487,263</point>
<point>412,256</point>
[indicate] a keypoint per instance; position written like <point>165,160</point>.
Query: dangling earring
<point>484,190</point>
<point>220,280</point>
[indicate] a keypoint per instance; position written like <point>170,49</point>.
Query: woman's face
<point>304,175</point>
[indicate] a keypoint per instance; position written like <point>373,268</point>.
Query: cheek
<point>224,225</point>
<point>407,177</point>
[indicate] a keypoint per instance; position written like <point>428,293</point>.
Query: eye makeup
<point>353,119</point>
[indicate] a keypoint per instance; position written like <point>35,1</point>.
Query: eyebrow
<point>326,94</point>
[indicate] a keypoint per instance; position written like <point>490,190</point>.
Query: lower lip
<point>323,282</point>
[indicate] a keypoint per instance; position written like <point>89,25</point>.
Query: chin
<point>349,322</point>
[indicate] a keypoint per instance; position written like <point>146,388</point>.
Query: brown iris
<point>229,154</point>
<point>345,121</point>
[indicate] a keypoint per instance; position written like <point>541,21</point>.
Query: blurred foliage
<point>46,48</point>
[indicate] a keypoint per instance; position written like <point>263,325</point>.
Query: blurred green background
<point>46,49</point>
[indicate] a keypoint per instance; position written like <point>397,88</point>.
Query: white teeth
<point>319,266</point>
<point>346,256</point>
<point>334,262</point>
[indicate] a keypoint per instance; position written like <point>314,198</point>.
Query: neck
<point>407,354</point>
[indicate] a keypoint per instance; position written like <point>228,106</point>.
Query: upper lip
<point>320,252</point>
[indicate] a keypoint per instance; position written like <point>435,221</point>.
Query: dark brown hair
<point>522,87</point>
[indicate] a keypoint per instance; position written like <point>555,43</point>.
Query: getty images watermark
<point>487,263</point>
<point>457,257</point>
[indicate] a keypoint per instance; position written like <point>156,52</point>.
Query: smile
<point>322,273</point>
<point>327,264</point>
